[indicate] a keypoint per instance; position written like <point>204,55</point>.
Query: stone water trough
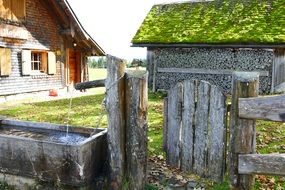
<point>45,152</point>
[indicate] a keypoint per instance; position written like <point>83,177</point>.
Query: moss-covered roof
<point>214,22</point>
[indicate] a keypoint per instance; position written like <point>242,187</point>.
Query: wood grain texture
<point>115,105</point>
<point>165,123</point>
<point>5,62</point>
<point>266,108</point>
<point>136,129</point>
<point>201,129</point>
<point>278,73</point>
<point>268,164</point>
<point>216,142</point>
<point>90,84</point>
<point>51,63</point>
<point>187,128</point>
<point>242,131</point>
<point>174,124</point>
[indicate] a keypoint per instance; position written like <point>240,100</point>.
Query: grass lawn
<point>87,111</point>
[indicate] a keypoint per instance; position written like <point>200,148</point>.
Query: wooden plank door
<point>195,124</point>
<point>74,67</point>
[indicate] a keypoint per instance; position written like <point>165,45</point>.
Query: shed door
<point>278,80</point>
<point>74,66</point>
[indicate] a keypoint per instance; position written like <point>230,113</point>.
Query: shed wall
<point>208,58</point>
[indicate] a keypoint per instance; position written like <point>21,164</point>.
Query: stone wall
<point>208,58</point>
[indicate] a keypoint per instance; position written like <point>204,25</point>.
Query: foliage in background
<point>100,62</point>
<point>215,22</point>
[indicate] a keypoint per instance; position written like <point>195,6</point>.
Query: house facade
<point>209,40</point>
<point>43,46</point>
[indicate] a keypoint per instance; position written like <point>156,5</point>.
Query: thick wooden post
<point>115,104</point>
<point>242,131</point>
<point>136,128</point>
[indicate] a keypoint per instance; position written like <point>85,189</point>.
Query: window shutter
<point>44,62</point>
<point>5,61</point>
<point>51,63</point>
<point>26,62</point>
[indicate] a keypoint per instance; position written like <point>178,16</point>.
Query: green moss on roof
<point>215,22</point>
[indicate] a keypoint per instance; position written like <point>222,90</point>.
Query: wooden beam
<point>242,131</point>
<point>266,108</point>
<point>205,71</point>
<point>136,128</point>
<point>115,105</point>
<point>268,164</point>
<point>90,84</point>
<point>56,12</point>
<point>278,70</point>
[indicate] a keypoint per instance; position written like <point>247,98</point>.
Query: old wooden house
<point>42,46</point>
<point>209,40</point>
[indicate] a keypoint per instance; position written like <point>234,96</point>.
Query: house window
<point>13,10</point>
<point>36,61</point>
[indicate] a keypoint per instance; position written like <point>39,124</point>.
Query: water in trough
<point>44,135</point>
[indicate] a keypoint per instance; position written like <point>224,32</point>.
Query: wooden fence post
<point>136,128</point>
<point>165,123</point>
<point>242,131</point>
<point>115,104</point>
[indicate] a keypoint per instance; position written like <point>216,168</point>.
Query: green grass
<point>87,110</point>
<point>4,186</point>
<point>95,74</point>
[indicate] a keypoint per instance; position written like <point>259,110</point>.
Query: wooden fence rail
<point>266,108</point>
<point>245,108</point>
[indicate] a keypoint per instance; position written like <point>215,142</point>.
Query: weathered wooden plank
<point>115,105</point>
<point>242,131</point>
<point>90,84</point>
<point>204,71</point>
<point>174,125</point>
<point>136,128</point>
<point>268,164</point>
<point>216,146</point>
<point>267,108</point>
<point>201,128</point>
<point>187,128</point>
<point>11,31</point>
<point>165,123</point>
<point>278,72</point>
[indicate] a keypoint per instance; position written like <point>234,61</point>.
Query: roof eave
<point>192,45</point>
<point>86,36</point>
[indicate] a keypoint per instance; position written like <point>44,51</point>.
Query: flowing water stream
<point>69,112</point>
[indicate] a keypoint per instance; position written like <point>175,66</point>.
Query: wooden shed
<point>208,40</point>
<point>42,46</point>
